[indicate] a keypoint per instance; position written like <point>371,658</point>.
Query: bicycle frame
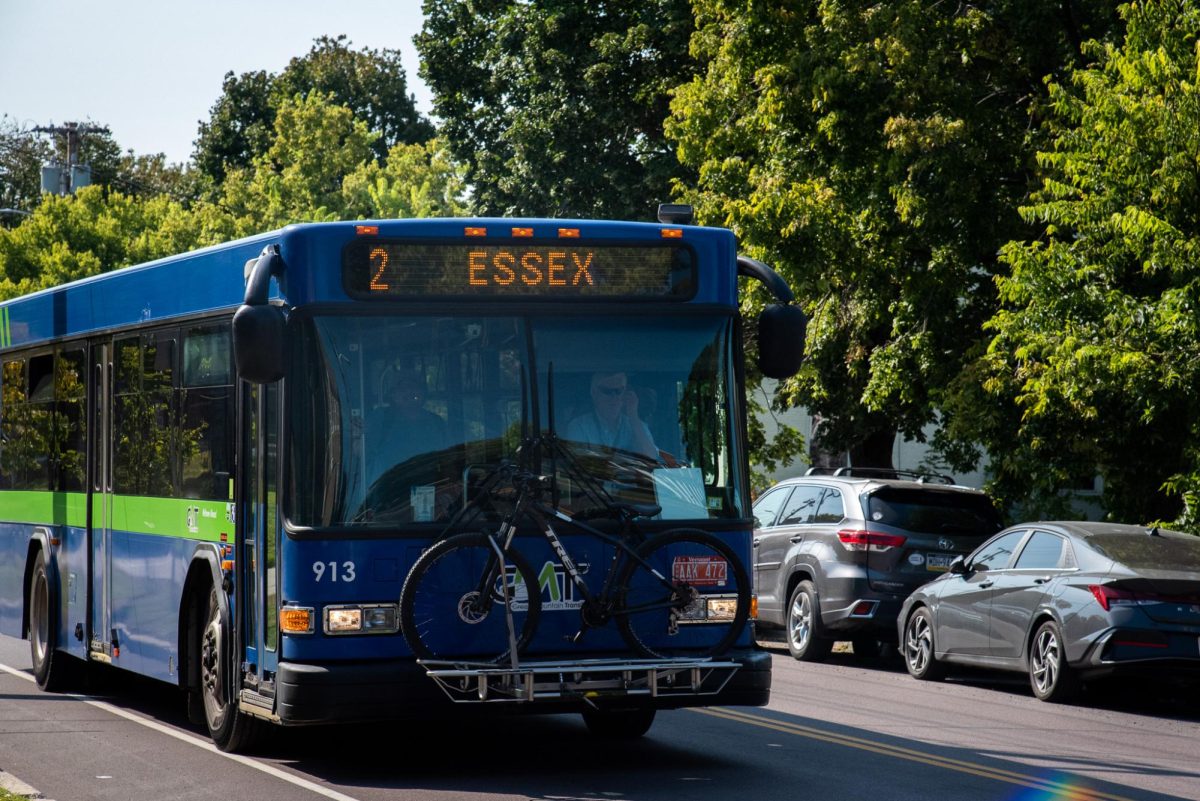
<point>540,513</point>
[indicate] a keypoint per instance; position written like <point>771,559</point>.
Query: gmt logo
<point>558,591</point>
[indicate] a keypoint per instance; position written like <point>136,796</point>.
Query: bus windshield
<point>391,416</point>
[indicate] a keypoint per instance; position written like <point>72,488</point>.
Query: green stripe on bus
<point>5,330</point>
<point>164,517</point>
<point>44,508</point>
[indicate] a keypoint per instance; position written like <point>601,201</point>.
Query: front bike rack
<point>585,680</point>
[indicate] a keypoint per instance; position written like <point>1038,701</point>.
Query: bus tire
<point>54,670</point>
<point>232,731</point>
<point>618,724</point>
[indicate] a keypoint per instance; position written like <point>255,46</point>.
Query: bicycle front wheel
<point>686,594</point>
<point>452,604</point>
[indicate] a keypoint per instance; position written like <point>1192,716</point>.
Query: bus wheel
<point>53,669</point>
<point>230,729</point>
<point>618,724</point>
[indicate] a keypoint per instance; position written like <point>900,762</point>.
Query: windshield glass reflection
<point>393,418</point>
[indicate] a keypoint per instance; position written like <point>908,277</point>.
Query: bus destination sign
<point>375,268</point>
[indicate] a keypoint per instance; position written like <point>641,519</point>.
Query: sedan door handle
<point>797,538</point>
<point>985,584</point>
<point>1041,579</point>
<point>756,542</point>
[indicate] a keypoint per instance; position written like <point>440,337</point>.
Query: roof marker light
<point>522,232</point>
<point>672,233</point>
<point>568,233</point>
<point>366,230</point>
<point>469,231</point>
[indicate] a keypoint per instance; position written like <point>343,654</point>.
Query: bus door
<point>256,539</point>
<point>100,458</point>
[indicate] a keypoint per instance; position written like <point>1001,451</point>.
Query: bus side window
<point>70,397</point>
<point>12,409</point>
<point>206,411</point>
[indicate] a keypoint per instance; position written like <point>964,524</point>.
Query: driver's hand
<point>630,404</point>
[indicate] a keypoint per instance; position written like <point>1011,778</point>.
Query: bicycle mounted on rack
<point>471,604</point>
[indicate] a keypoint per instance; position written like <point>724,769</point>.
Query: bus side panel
<point>71,561</point>
<point>14,545</point>
<point>148,575</point>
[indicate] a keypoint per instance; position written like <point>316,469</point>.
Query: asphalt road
<point>843,730</point>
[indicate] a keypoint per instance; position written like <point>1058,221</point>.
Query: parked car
<point>836,555</point>
<point>1062,601</point>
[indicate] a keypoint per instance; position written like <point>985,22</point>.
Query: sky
<point>151,71</point>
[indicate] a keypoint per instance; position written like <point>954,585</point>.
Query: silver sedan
<point>1062,601</point>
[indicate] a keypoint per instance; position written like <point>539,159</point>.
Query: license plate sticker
<point>939,562</point>
<point>700,571</point>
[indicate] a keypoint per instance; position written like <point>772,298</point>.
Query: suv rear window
<point>930,511</point>
<point>1168,551</point>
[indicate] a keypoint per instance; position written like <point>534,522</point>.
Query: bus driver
<point>613,421</point>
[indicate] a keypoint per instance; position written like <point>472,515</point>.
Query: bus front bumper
<point>359,691</point>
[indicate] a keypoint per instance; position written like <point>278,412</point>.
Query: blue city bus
<point>216,469</point>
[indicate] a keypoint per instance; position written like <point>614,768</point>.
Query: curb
<point>15,786</point>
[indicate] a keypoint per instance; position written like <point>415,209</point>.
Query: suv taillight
<point>865,540</point>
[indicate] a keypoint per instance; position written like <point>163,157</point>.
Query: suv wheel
<point>805,638</point>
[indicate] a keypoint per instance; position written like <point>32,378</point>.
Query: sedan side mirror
<point>959,566</point>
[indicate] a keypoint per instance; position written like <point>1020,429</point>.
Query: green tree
<point>95,231</point>
<point>556,107</point>
<point>875,153</point>
<point>1094,360</point>
<point>418,180</point>
<point>314,146</point>
<point>371,83</point>
<point>22,154</point>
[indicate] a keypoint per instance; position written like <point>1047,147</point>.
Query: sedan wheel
<point>918,648</point>
<point>1051,678</point>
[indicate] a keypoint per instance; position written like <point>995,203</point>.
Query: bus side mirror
<point>781,329</point>
<point>258,327</point>
<point>258,343</point>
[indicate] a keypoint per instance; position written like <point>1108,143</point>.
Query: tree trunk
<point>875,450</point>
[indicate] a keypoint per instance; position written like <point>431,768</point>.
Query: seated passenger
<point>614,421</point>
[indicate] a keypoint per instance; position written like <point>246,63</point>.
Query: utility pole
<point>76,176</point>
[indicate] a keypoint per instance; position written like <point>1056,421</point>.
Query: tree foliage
<point>372,84</point>
<point>874,153</point>
<point>1093,360</point>
<point>556,107</point>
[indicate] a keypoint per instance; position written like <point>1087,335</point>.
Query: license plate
<point>938,561</point>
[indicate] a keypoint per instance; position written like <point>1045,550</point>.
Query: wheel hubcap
<point>1045,660</point>
<point>210,674</point>
<point>918,645</point>
<point>800,627</point>
<point>39,631</point>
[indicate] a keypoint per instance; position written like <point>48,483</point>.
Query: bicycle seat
<point>639,509</point>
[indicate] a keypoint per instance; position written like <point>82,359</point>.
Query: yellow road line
<point>1072,791</point>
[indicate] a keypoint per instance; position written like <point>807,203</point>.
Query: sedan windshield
<point>392,418</point>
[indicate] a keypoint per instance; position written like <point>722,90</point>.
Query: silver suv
<point>836,555</point>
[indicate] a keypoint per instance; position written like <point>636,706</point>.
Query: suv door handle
<point>1041,579</point>
<point>983,585</point>
<point>797,538</point>
<point>756,542</point>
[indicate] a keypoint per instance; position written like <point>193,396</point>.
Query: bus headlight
<point>710,609</point>
<point>361,619</point>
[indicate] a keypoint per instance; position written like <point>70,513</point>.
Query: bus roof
<point>213,279</point>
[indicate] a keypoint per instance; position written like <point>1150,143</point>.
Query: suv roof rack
<point>894,474</point>
<point>819,471</point>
